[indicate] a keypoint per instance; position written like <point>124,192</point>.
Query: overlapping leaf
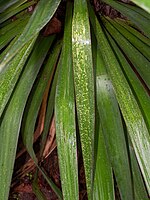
<point>135,122</point>
<point>65,116</point>
<point>145,4</point>
<point>10,126</point>
<point>40,17</point>
<point>111,123</point>
<point>9,78</point>
<point>139,20</point>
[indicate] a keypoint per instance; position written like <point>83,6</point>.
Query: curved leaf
<point>42,14</point>
<point>141,21</point>
<point>139,61</point>
<point>112,127</point>
<point>10,126</point>
<point>65,117</point>
<point>9,78</point>
<point>136,125</point>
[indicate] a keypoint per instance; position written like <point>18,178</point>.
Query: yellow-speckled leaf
<point>65,117</point>
<point>84,85</point>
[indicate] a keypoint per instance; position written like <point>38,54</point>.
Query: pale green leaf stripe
<point>9,78</point>
<point>42,14</point>
<point>103,177</point>
<point>145,4</point>
<point>137,129</point>
<point>111,124</point>
<point>84,86</point>
<point>11,121</point>
<point>139,90</point>
<point>138,44</point>
<point>137,59</point>
<point>139,20</point>
<point>65,116</point>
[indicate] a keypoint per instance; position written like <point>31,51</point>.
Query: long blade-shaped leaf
<point>34,105</point>
<point>9,32</point>
<point>4,4</point>
<point>139,61</point>
<point>65,117</point>
<point>145,4</point>
<point>112,127</point>
<point>136,126</point>
<point>11,121</point>
<point>133,31</point>
<point>13,11</point>
<point>103,177</point>
<point>10,77</point>
<point>139,90</point>
<point>15,5</point>
<point>42,14</point>
<point>138,184</point>
<point>9,26</point>
<point>84,86</point>
<point>138,44</point>
<point>135,17</point>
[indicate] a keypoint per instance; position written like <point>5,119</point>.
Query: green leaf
<point>49,112</point>
<point>34,103</point>
<point>103,179</point>
<point>132,30</point>
<point>138,44</point>
<point>33,106</point>
<point>139,10</point>
<point>145,4</point>
<point>141,21</point>
<point>84,86</point>
<point>14,10</point>
<point>10,126</point>
<point>65,116</point>
<point>42,14</point>
<point>133,117</point>
<point>5,29</point>
<point>35,187</point>
<point>11,30</point>
<point>4,4</point>
<point>9,79</point>
<point>111,124</point>
<point>135,84</point>
<point>138,184</point>
<point>138,60</point>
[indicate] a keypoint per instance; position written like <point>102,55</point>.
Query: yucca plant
<point>96,75</point>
